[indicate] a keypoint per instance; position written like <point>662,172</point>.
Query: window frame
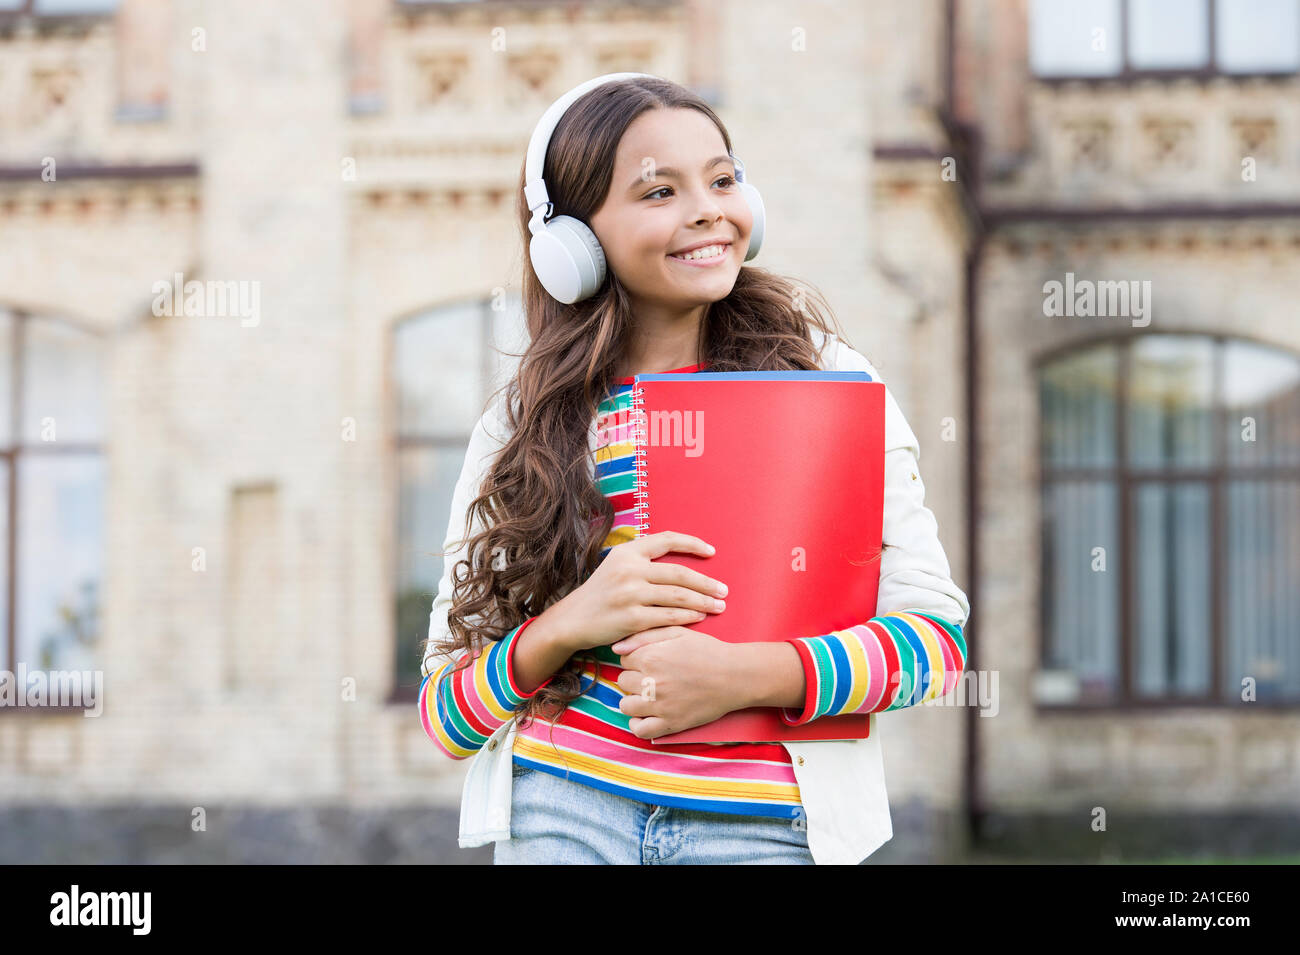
<point>1129,74</point>
<point>11,453</point>
<point>398,442</point>
<point>1126,480</point>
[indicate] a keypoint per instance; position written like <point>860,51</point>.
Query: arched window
<point>446,363</point>
<point>1171,522</point>
<point>52,430</point>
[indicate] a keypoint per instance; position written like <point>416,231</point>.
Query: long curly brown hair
<point>539,502</point>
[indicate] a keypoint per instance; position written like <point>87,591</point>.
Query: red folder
<point>783,472</point>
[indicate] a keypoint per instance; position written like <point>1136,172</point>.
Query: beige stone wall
<point>225,684</point>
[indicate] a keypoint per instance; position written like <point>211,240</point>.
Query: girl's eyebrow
<point>668,172</point>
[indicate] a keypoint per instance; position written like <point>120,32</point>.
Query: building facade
<point>230,503</point>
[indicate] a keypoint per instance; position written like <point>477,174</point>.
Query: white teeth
<point>708,252</point>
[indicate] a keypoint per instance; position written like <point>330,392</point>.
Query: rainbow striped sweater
<point>891,661</point>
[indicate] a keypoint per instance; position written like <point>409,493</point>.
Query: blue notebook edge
<point>757,376</point>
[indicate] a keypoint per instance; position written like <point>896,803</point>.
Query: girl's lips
<point>705,263</point>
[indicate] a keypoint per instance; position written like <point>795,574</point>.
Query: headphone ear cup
<point>568,259</point>
<point>760,216</point>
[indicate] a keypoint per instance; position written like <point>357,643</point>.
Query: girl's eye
<point>727,181</point>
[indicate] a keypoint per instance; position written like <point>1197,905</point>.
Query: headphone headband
<point>534,186</point>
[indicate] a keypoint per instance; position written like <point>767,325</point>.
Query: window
<point>1171,522</point>
<point>1130,38</point>
<point>55,8</point>
<point>447,362</point>
<point>1078,39</point>
<point>1257,36</point>
<point>1168,34</point>
<point>52,430</point>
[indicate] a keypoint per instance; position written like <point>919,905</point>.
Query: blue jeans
<point>558,821</point>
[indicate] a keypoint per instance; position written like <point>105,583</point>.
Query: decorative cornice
<point>1047,238</point>
<point>132,171</point>
<point>996,216</point>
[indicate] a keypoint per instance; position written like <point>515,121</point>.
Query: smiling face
<point>673,189</point>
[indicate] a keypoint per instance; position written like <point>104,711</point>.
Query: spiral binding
<point>640,495</point>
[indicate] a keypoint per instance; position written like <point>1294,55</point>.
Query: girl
<point>552,611</point>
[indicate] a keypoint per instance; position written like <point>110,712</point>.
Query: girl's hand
<point>675,679</point>
<point>630,592</point>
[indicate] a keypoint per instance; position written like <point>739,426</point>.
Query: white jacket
<point>841,782</point>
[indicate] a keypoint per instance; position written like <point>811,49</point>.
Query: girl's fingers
<point>637,700</point>
<point>640,639</point>
<point>651,727</point>
<point>666,573</point>
<point>667,595</point>
<point>656,545</point>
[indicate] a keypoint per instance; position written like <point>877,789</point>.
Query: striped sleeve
<point>891,661</point>
<point>914,652</point>
<point>460,709</point>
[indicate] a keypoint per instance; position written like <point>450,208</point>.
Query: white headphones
<point>565,253</point>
